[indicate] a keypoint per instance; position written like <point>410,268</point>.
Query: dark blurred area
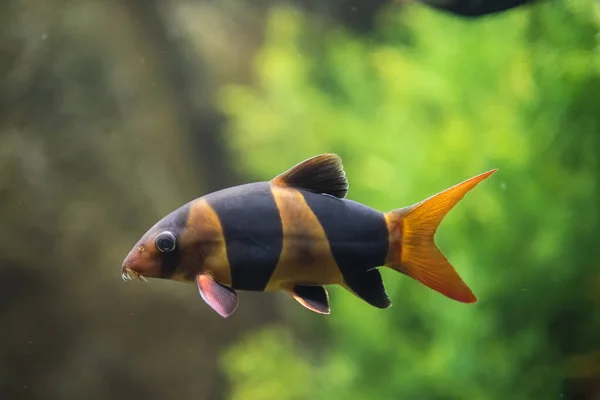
<point>108,121</point>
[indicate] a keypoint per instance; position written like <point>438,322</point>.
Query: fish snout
<point>137,264</point>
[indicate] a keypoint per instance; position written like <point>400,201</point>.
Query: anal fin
<point>315,298</point>
<point>368,286</point>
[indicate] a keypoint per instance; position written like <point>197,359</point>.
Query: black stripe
<point>253,233</point>
<point>175,223</point>
<point>357,234</point>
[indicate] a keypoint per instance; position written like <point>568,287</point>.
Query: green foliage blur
<point>425,102</point>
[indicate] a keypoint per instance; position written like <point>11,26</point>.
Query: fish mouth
<point>129,275</point>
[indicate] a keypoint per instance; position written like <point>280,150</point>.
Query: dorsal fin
<point>320,174</point>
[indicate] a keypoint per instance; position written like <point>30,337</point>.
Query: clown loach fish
<point>297,233</point>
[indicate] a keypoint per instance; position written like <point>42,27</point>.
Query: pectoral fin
<point>369,287</point>
<point>315,298</point>
<point>219,297</point>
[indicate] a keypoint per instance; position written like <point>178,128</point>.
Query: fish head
<point>158,254</point>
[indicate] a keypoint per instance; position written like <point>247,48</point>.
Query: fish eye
<point>165,242</point>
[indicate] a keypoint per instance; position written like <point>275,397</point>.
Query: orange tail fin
<point>412,246</point>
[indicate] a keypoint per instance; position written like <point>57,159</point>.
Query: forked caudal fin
<point>412,246</point>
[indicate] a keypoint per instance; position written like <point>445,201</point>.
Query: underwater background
<point>112,114</point>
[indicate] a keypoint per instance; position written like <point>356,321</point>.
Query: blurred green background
<point>114,113</point>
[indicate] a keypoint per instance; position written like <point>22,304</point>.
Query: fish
<point>476,9</point>
<point>297,234</point>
